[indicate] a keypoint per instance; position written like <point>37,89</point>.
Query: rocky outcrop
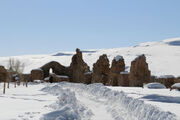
<point>37,74</point>
<point>78,68</point>
<point>139,72</point>
<point>101,70</point>
<point>57,68</point>
<point>3,74</point>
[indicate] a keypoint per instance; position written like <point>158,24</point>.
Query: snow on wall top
<point>62,76</point>
<point>166,76</point>
<point>118,57</point>
<point>39,69</point>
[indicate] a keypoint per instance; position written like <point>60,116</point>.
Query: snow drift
<point>117,103</point>
<point>67,107</point>
<point>154,85</point>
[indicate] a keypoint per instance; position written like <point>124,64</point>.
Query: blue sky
<point>48,26</point>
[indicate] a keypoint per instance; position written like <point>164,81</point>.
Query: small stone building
<point>37,74</point>
<point>167,80</point>
<point>3,74</point>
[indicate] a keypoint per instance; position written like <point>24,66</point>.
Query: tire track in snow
<point>96,106</point>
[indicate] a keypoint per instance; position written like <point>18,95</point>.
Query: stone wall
<point>58,78</point>
<point>123,79</point>
<point>118,66</point>
<point>139,72</point>
<point>37,74</point>
<point>168,81</point>
<point>56,67</point>
<point>27,77</point>
<point>79,72</point>
<point>101,70</point>
<point>3,74</point>
<point>78,68</point>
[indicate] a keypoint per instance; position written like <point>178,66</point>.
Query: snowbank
<point>154,85</point>
<point>118,104</point>
<point>67,107</point>
<point>176,85</point>
<point>38,81</point>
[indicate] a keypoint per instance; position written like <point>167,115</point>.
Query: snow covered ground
<point>23,103</point>
<point>163,57</point>
<point>163,98</point>
<point>70,101</point>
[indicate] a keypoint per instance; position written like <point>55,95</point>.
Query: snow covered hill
<point>163,57</point>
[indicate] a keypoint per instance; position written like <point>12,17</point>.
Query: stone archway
<point>56,67</point>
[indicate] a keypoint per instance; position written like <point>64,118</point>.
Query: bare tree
<point>15,67</point>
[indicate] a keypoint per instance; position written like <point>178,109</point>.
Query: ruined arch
<point>57,68</point>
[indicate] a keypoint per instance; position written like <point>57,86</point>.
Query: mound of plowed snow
<point>118,104</point>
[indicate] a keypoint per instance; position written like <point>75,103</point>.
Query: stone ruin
<point>57,68</point>
<point>78,68</point>
<point>115,76</point>
<point>76,72</point>
<point>79,71</point>
<point>3,74</point>
<point>58,78</point>
<point>101,70</point>
<point>139,72</point>
<point>37,74</point>
<point>167,80</point>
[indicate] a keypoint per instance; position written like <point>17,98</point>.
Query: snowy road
<point>97,107</point>
<point>67,101</point>
<point>107,104</point>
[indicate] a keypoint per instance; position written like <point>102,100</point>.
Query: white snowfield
<point>163,57</point>
<point>70,101</point>
<point>162,98</point>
